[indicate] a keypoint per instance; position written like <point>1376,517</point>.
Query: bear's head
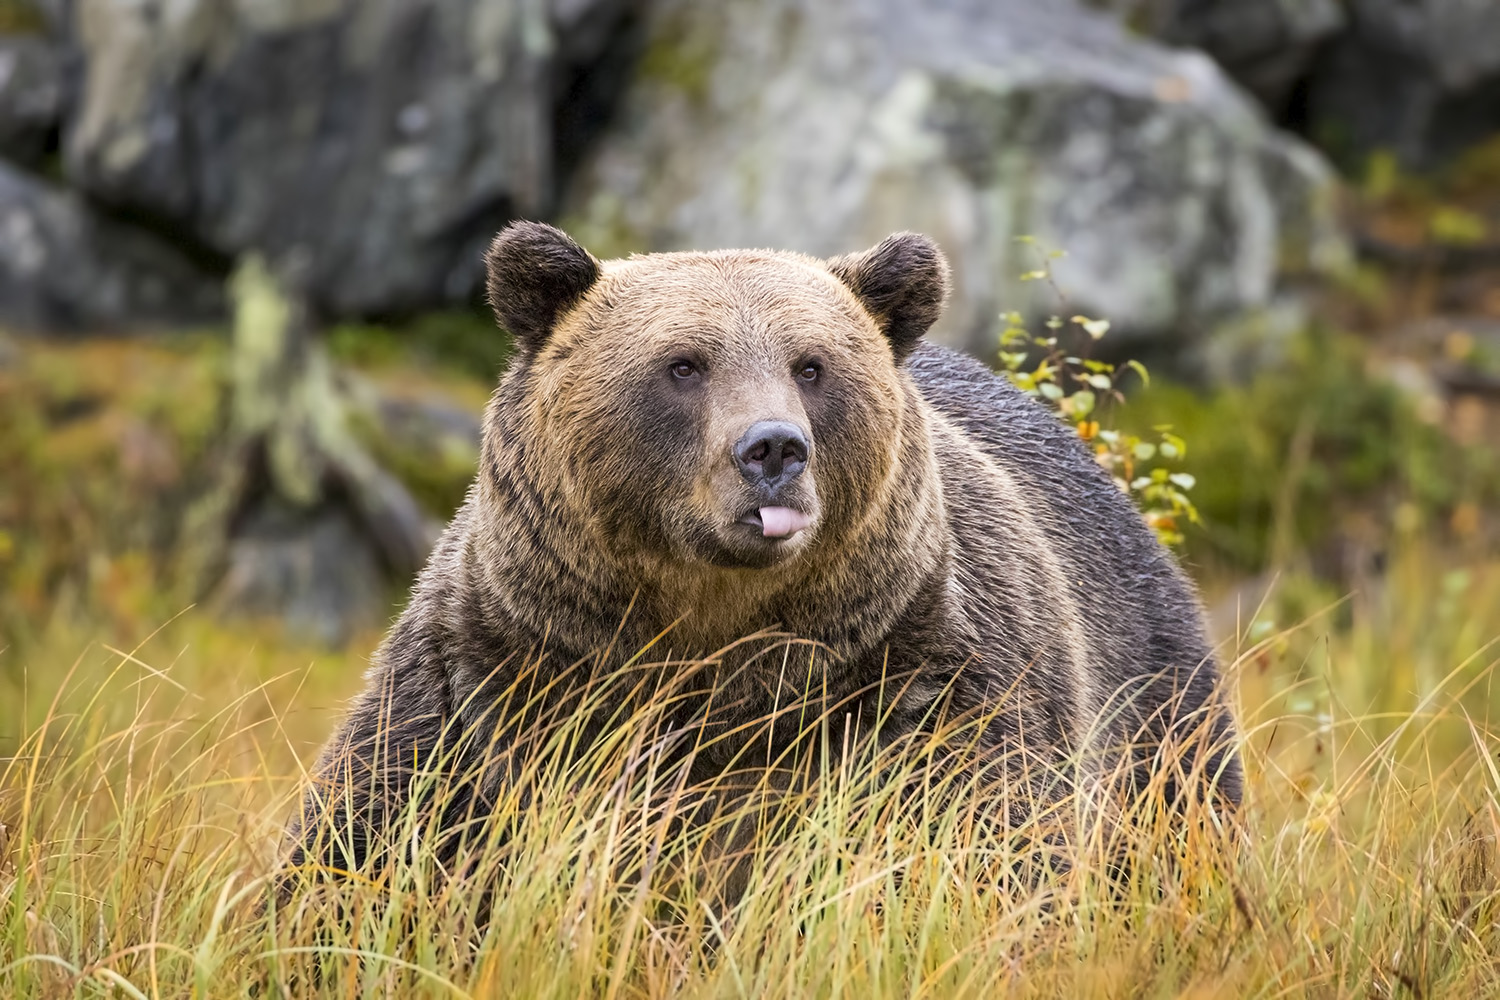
<point>727,410</point>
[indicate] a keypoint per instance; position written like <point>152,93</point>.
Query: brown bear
<point>692,448</point>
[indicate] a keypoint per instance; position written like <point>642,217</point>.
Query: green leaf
<point>1140,370</point>
<point>1051,390</point>
<point>1095,328</point>
<point>1100,382</point>
<point>1083,403</point>
<point>1185,480</point>
<point>1033,275</point>
<point>1145,451</point>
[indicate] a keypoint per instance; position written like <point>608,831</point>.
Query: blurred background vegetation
<point>243,353</point>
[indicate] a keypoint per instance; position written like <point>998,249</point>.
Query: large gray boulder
<point>1266,45</point>
<point>1420,77</point>
<point>387,141</point>
<point>65,267</point>
<point>822,125</point>
<point>32,89</point>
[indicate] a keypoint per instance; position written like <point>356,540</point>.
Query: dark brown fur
<point>967,555</point>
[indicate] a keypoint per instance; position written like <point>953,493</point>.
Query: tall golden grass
<point>144,792</point>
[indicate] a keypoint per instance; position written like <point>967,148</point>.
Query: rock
<point>387,140</point>
<point>65,267</point>
<point>1265,45</point>
<point>315,572</point>
<point>1420,77</point>
<point>432,425</point>
<point>31,97</point>
<point>822,126</point>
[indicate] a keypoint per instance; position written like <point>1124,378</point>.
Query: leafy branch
<point>1083,391</point>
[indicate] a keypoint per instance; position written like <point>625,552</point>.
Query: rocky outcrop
<point>1419,77</point>
<point>823,126</point>
<point>1266,45</point>
<point>386,141</point>
<point>64,267</point>
<point>32,84</point>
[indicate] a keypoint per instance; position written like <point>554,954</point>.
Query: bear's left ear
<point>536,274</point>
<point>903,282</point>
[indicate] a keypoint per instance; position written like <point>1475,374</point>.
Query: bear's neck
<point>847,591</point>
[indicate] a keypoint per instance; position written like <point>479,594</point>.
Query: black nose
<point>771,452</point>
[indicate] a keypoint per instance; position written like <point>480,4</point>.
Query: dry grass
<point>143,794</point>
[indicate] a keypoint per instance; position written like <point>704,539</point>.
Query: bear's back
<point>1030,442</point>
<point>1139,616</point>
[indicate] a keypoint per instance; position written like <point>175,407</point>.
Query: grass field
<point>144,789</point>
<point>149,763</point>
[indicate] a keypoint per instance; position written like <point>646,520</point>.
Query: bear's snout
<point>771,454</point>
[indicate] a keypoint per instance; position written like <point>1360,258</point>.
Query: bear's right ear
<point>902,281</point>
<point>536,274</point>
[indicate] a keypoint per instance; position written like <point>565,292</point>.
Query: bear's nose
<point>771,452</point>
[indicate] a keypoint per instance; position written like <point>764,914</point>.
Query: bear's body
<point>691,448</point>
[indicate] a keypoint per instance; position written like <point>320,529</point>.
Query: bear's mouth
<point>777,522</point>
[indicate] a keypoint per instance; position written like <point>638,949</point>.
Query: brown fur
<point>964,549</point>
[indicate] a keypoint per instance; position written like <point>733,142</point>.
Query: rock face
<point>1421,77</point>
<point>32,84</point>
<point>315,574</point>
<point>1266,45</point>
<point>1418,77</point>
<point>822,126</point>
<point>64,267</point>
<point>388,141</point>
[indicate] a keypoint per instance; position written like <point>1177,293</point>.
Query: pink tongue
<point>779,522</point>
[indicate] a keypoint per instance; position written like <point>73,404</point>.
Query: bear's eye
<point>810,372</point>
<point>683,369</point>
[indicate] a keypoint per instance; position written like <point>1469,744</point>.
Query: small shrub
<point>1055,368</point>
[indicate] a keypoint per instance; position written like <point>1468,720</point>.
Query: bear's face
<point>724,409</point>
<point>728,409</point>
